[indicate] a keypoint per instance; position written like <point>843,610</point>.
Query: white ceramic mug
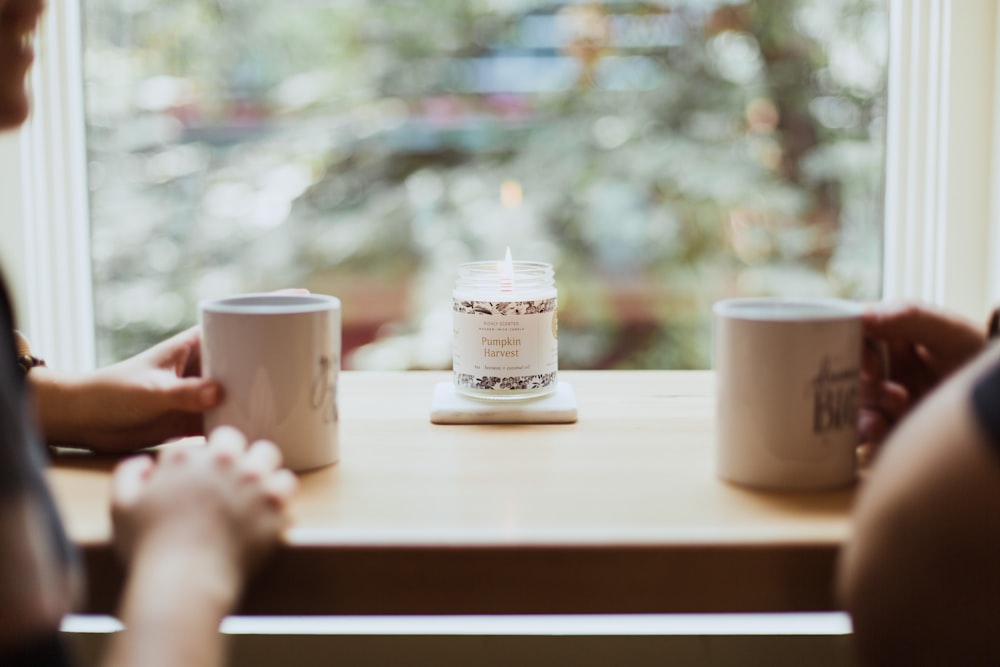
<point>277,357</point>
<point>787,391</point>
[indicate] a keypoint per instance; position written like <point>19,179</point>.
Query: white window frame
<point>44,204</point>
<point>942,213</point>
<point>941,217</point>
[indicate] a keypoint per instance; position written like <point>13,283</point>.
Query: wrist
<point>175,598</point>
<point>56,404</point>
<point>164,578</point>
<point>25,359</point>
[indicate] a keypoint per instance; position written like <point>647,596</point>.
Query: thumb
<point>194,394</point>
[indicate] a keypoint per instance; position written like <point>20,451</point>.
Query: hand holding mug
<point>923,346</point>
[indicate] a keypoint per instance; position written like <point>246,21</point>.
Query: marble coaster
<point>450,407</point>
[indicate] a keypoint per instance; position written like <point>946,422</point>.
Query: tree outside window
<point>661,155</point>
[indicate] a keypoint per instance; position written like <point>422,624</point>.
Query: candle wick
<point>507,273</point>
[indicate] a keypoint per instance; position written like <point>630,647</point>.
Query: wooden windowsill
<point>618,513</point>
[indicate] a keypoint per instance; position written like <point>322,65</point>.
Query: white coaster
<point>450,407</point>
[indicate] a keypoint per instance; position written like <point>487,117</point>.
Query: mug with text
<point>787,391</point>
<point>277,357</point>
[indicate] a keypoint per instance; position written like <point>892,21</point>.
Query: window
<point>941,83</point>
<point>660,154</point>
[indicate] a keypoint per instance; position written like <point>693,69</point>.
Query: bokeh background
<point>660,155</point>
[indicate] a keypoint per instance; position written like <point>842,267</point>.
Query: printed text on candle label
<point>505,346</point>
<point>497,347</point>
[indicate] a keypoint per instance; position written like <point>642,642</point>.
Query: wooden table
<point>618,513</point>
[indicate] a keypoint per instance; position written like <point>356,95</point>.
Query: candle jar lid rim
<point>491,266</point>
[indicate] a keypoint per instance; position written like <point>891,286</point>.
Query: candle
<point>505,339</point>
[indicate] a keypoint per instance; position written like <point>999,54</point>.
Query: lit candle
<point>506,329</point>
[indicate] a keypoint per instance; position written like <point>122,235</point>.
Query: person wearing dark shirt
<point>918,574</point>
<point>38,571</point>
<point>189,526</point>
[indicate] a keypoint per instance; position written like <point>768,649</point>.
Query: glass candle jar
<point>506,330</point>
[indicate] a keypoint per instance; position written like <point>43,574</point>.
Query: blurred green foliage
<point>661,155</point>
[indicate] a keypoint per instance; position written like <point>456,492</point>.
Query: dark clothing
<point>22,464</point>
<point>985,399</point>
<point>46,652</point>
<point>986,391</point>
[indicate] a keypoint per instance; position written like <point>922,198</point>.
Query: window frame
<point>941,242</point>
<point>941,218</point>
<point>44,219</point>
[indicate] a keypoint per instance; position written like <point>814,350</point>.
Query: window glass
<point>660,155</point>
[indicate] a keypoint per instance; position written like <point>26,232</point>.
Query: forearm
<point>60,404</point>
<point>171,608</point>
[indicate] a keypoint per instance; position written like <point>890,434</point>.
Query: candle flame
<point>507,272</point>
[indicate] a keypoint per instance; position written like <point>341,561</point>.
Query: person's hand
<point>139,402</point>
<point>922,346</point>
<point>191,529</point>
<point>213,511</point>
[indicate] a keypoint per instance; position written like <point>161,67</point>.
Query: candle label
<point>505,345</point>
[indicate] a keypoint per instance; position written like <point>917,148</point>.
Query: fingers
<point>875,359</point>
<point>180,352</point>
<point>260,461</point>
<point>187,338</point>
<point>883,404</point>
<point>888,397</point>
<point>226,451</point>
<point>262,458</point>
<point>226,444</point>
<point>129,479</point>
<point>226,497</point>
<point>184,389</point>
<point>936,329</point>
<point>192,340</point>
<point>281,485</point>
<point>872,427</point>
